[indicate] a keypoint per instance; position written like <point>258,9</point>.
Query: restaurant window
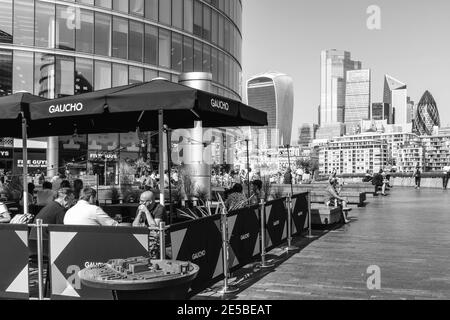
<point>65,28</point>
<point>85,34</point>
<point>164,48</point>
<point>102,75</point>
<point>165,11</point>
<point>177,14</point>
<point>6,66</point>
<point>214,27</point>
<point>198,16</point>
<point>64,78</point>
<point>119,75</point>
<point>23,71</point>
<point>84,75</point>
<point>207,23</point>
<point>136,41</point>
<point>151,45</point>
<point>88,2</point>
<point>206,58</point>
<point>136,75</point>
<point>165,75</point>
<point>226,71</point>
<point>120,5</point>
<point>44,75</point>
<point>137,7</point>
<point>214,64</point>
<point>227,36</point>
<point>104,3</point>
<point>120,38</point>
<point>150,74</point>
<point>102,34</point>
<point>188,54</point>
<point>177,52</point>
<point>6,28</point>
<point>23,22</point>
<point>221,31</point>
<point>220,68</point>
<point>198,62</point>
<point>188,16</point>
<point>151,9</point>
<point>44,35</point>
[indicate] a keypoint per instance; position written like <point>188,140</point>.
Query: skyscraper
<point>396,95</point>
<point>357,97</point>
<point>334,66</point>
<point>273,93</point>
<point>427,116</point>
<point>380,111</point>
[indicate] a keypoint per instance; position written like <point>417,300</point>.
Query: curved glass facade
<point>55,48</point>
<point>427,116</point>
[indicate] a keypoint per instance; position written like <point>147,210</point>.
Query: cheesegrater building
<point>60,48</point>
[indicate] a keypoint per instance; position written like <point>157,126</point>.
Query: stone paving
<point>406,234</point>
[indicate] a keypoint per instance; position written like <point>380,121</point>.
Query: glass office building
<point>56,48</point>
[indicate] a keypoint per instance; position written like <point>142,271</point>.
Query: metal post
<point>161,155</point>
<point>25,164</point>
<point>264,264</point>
<point>309,236</point>
<point>226,289</point>
<point>289,247</point>
<point>289,163</point>
<point>162,240</point>
<point>168,170</point>
<point>248,169</point>
<point>40,258</point>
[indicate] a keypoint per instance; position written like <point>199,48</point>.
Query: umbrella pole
<point>169,153</point>
<point>25,164</point>
<point>161,155</point>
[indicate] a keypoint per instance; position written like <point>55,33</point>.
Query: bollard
<point>289,247</point>
<point>162,240</point>
<point>309,236</point>
<point>226,289</point>
<point>264,264</point>
<point>40,258</point>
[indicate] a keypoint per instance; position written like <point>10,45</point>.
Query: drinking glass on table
<point>118,218</point>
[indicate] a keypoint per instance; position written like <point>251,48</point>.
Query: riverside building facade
<point>61,48</point>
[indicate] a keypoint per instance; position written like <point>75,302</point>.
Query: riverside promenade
<point>406,234</point>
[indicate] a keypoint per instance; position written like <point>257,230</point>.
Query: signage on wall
<point>5,153</point>
<point>33,163</point>
<point>94,156</point>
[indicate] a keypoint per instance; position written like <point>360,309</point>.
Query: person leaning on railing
<point>5,216</point>
<point>236,199</point>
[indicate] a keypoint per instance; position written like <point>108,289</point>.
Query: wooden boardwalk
<point>407,235</point>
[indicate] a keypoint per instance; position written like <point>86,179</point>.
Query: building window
<point>188,54</point>
<point>120,5</point>
<point>104,3</point>
<point>64,78</point>
<point>136,75</point>
<point>6,28</point>
<point>150,74</point>
<point>206,58</point>
<point>214,64</point>
<point>151,45</point>
<point>102,74</point>
<point>177,52</point>
<point>84,75</point>
<point>136,41</point>
<point>137,7</point>
<point>164,48</point>
<point>151,9</point>
<point>165,11</point>
<point>23,22</point>
<point>65,28</point>
<point>88,2</point>
<point>119,75</point>
<point>120,38</point>
<point>206,23</point>
<point>188,16</point>
<point>23,71</point>
<point>6,66</point>
<point>198,62</point>
<point>214,27</point>
<point>44,35</point>
<point>177,14</point>
<point>102,34</point>
<point>198,17</point>
<point>44,75</point>
<point>221,31</point>
<point>85,34</point>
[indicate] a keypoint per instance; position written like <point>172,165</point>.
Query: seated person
<point>379,181</point>
<point>30,194</point>
<point>46,195</point>
<point>257,192</point>
<point>86,213</point>
<point>368,177</point>
<point>5,216</point>
<point>236,199</point>
<point>333,198</point>
<point>149,213</point>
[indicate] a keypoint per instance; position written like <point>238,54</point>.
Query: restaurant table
<point>124,287</point>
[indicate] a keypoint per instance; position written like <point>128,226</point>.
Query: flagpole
<point>25,164</point>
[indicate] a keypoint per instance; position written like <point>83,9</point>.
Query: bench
<point>322,215</point>
<point>354,198</point>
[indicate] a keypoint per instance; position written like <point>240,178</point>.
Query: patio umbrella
<point>144,106</point>
<point>14,111</point>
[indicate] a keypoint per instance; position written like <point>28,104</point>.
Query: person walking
<point>417,176</point>
<point>445,177</point>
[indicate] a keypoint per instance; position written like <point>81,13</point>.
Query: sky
<point>412,45</point>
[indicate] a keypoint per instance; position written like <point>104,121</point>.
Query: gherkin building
<point>427,115</point>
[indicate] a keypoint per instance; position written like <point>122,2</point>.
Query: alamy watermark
<point>374,19</point>
<point>374,280</point>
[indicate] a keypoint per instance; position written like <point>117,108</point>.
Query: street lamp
<point>289,164</point>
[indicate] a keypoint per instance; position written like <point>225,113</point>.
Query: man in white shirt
<point>86,213</point>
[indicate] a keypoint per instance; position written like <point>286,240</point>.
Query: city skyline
<point>310,27</point>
